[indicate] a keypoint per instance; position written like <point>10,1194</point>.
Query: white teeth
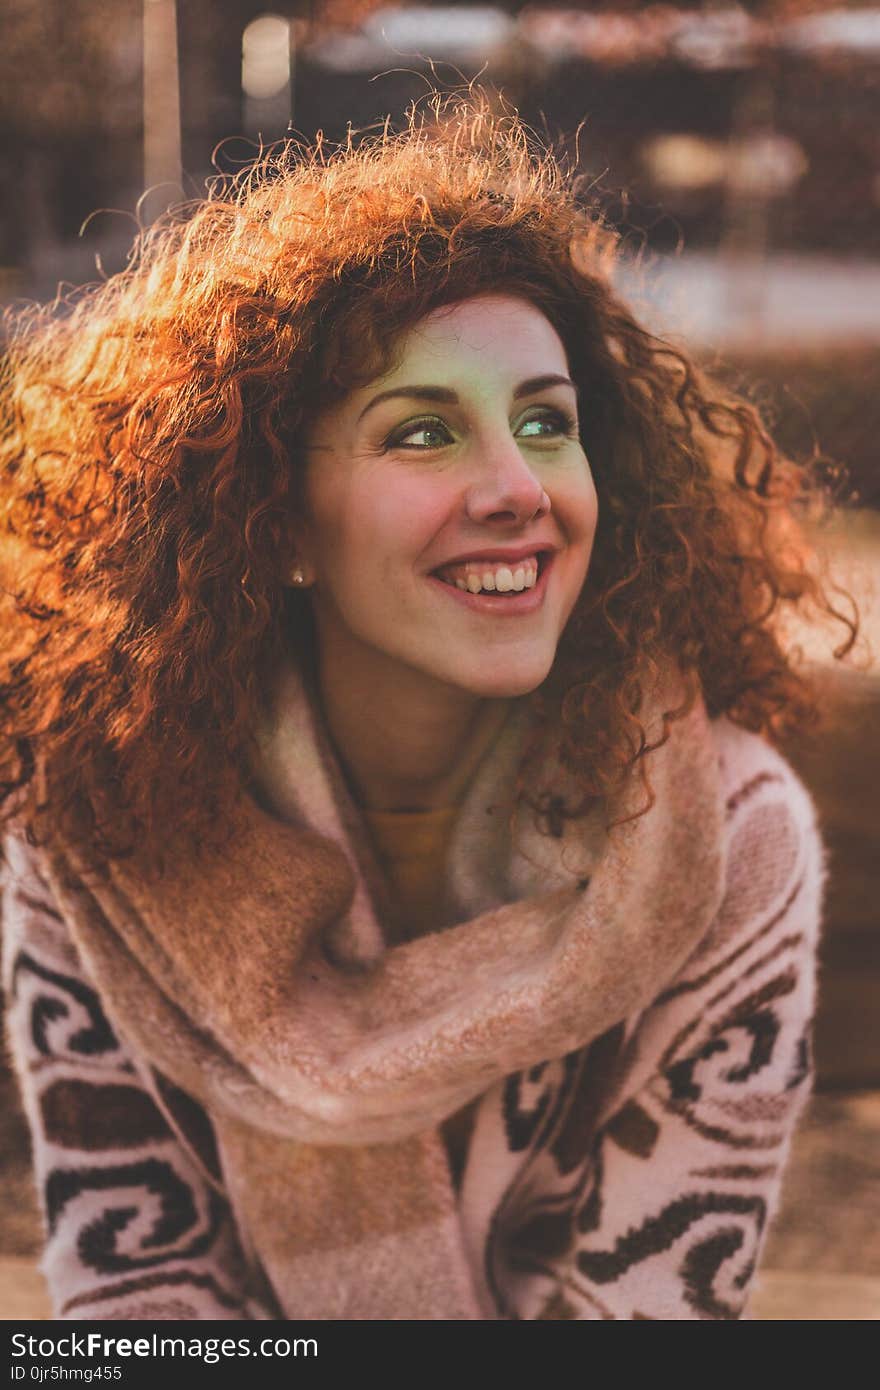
<point>504,579</point>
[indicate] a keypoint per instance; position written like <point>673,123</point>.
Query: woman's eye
<point>420,434</point>
<point>547,425</point>
<point>433,433</point>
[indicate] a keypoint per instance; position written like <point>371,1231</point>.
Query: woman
<point>406,912</point>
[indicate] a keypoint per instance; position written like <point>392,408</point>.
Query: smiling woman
<point>412,527</point>
<point>406,912</point>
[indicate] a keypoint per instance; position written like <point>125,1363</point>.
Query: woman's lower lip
<point>501,606</point>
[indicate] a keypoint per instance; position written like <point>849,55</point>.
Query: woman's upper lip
<point>502,553</point>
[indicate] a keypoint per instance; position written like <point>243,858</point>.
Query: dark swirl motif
<point>703,1261</point>
<point>523,1116</point>
<point>85,1041</point>
<point>702,1265</point>
<point>762,1029</point>
<point>706,1070</point>
<point>534,1224</point>
<point>98,1240</point>
<point>79,1114</point>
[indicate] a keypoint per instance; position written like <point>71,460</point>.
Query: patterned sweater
<point>685,1112</point>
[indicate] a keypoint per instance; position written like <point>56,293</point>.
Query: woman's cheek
<point>577,510</point>
<point>411,512</point>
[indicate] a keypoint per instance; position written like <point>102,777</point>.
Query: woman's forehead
<point>496,334</point>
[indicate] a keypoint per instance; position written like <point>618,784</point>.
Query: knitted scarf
<point>257,980</point>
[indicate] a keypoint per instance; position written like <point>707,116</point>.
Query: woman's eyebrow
<point>445,396</point>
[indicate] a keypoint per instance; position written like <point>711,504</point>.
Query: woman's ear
<point>297,576</point>
<point>297,571</point>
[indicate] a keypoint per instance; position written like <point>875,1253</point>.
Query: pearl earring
<point>298,577</point>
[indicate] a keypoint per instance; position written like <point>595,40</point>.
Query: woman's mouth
<point>498,587</point>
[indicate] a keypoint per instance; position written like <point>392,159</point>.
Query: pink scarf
<point>258,981</point>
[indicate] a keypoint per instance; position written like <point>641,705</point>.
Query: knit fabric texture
<point>237,1086</point>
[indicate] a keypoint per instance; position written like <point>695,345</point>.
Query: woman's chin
<point>500,680</point>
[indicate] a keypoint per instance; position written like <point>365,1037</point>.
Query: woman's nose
<point>503,486</point>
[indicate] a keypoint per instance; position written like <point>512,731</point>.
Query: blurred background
<point>736,147</point>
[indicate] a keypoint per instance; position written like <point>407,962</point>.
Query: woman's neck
<point>409,745</point>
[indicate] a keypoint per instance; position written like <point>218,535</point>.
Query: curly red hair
<point>151,464</point>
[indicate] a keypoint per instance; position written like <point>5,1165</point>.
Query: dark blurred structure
<point>70,114</point>
<point>696,125</point>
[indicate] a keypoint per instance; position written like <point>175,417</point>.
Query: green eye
<point>420,434</point>
<point>547,425</point>
<point>432,433</point>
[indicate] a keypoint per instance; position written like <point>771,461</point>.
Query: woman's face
<point>449,506</point>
